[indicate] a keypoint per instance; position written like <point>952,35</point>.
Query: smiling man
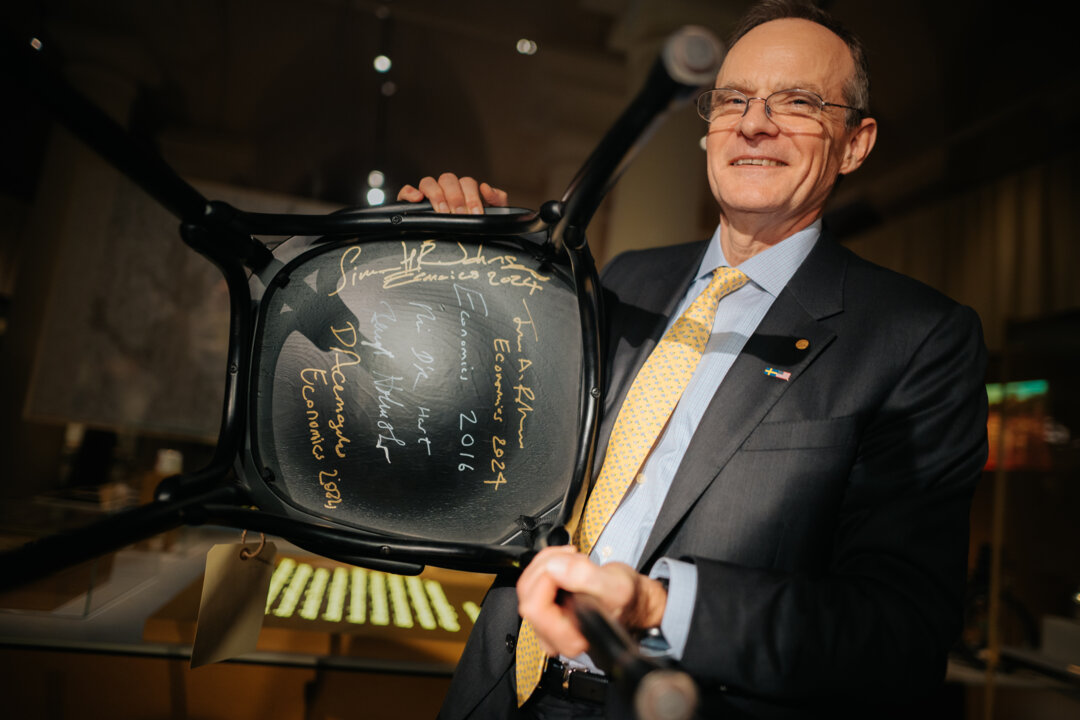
<point>775,145</point>
<point>791,525</point>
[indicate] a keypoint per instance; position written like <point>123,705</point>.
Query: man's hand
<point>451,194</point>
<point>633,599</point>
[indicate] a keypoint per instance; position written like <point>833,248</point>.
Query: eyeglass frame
<point>765,101</point>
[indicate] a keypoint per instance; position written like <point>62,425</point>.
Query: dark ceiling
<point>281,95</point>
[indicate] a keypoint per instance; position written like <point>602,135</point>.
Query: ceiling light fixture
<point>375,196</point>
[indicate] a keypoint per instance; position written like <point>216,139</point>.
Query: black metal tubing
<point>617,148</point>
<point>39,558</point>
<point>231,429</point>
<point>224,235</point>
<point>392,219</point>
<point>369,550</point>
<point>100,132</point>
<point>587,285</point>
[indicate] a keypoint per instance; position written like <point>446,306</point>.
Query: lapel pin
<point>802,344</point>
<point>773,372</point>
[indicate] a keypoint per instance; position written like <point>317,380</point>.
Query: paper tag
<point>233,602</point>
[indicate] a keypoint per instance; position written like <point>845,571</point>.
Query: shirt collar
<point>770,269</point>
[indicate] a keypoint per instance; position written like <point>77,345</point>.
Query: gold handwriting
<point>351,255</point>
<point>519,323</point>
<point>342,358</point>
<point>523,409</point>
<point>415,266</point>
<point>308,376</point>
<point>515,280</point>
<point>501,347</point>
<point>330,488</point>
<point>497,465</point>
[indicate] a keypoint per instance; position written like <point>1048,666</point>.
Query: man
<point>798,531</point>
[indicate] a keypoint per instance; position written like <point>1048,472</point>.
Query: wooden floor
<point>47,685</point>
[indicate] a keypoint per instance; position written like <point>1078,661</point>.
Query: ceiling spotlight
<point>388,88</point>
<point>375,196</point>
<point>376,179</point>
<point>526,47</point>
<point>35,43</point>
<point>382,64</point>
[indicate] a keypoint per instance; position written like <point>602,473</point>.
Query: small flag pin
<point>779,375</point>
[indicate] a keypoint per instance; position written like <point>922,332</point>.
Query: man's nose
<point>757,120</point>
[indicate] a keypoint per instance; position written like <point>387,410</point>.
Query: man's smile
<point>765,162</point>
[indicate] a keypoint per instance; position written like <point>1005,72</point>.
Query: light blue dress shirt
<point>623,538</point>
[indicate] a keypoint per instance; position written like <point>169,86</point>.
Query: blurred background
<point>113,333</point>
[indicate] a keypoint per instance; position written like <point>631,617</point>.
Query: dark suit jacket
<point>827,514</point>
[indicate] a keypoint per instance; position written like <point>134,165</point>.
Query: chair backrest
<point>421,387</point>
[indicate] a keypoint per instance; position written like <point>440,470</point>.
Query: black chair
<point>403,388</point>
<point>428,388</point>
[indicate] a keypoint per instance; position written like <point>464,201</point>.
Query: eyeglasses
<point>788,108</point>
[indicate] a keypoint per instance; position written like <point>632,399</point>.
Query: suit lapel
<point>747,393</point>
<point>660,299</point>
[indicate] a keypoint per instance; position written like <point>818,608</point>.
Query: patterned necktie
<point>648,405</point>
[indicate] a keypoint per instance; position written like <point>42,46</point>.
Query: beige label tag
<point>233,602</point>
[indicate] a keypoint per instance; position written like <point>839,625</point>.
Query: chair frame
<point>226,236</point>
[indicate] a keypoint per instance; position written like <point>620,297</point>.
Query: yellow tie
<point>652,396</point>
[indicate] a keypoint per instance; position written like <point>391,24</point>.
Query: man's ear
<point>860,143</point>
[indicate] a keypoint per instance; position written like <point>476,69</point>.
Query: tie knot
<point>726,280</point>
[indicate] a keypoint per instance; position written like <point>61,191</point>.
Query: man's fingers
<point>410,194</point>
<point>493,196</point>
<point>462,194</point>
<point>534,571</point>
<point>537,592</point>
<point>474,204</point>
<point>616,586</point>
<point>630,597</point>
<point>579,574</point>
<point>433,191</point>
<point>452,194</point>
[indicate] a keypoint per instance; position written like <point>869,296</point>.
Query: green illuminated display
<point>294,591</point>
<point>420,603</point>
<point>359,596</point>
<point>1019,391</point>
<point>313,598</point>
<point>335,601</point>
<point>380,603</point>
<point>444,611</point>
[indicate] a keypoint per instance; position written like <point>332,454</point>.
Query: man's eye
<point>795,104</point>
